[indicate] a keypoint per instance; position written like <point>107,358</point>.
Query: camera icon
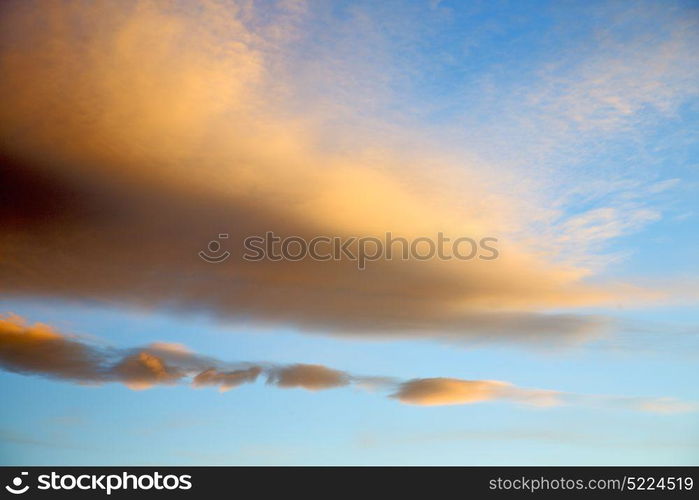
<point>15,488</point>
<point>213,253</point>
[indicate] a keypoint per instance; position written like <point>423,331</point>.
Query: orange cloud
<point>144,370</point>
<point>131,142</point>
<point>449,391</point>
<point>38,348</point>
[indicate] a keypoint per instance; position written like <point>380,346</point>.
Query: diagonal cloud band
<point>132,133</point>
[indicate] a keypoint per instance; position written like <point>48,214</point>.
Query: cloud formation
<point>311,377</point>
<point>144,370</point>
<point>226,380</point>
<point>135,132</point>
<point>449,391</point>
<point>40,350</point>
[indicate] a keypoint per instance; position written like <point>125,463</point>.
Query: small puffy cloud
<point>226,380</point>
<point>449,391</point>
<point>311,377</point>
<point>144,370</point>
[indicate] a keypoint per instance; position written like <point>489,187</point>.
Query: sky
<point>135,133</point>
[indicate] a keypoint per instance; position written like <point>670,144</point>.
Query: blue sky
<point>566,129</point>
